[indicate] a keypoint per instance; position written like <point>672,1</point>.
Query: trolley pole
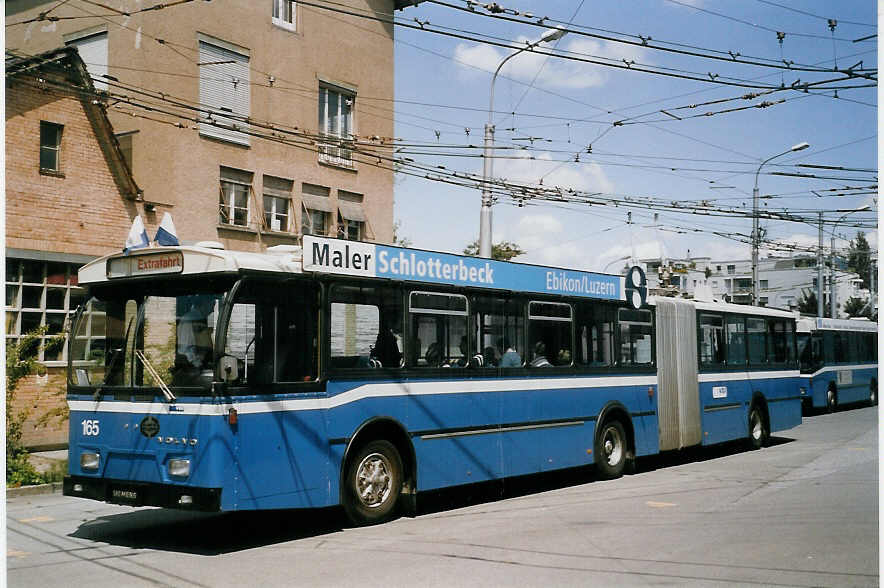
<point>819,272</point>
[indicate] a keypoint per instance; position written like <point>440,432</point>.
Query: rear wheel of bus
<point>611,450</point>
<point>372,483</point>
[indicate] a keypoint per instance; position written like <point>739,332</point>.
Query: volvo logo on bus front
<point>150,426</point>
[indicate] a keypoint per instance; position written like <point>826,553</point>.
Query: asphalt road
<point>803,512</point>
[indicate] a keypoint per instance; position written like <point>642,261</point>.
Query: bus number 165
<point>90,427</point>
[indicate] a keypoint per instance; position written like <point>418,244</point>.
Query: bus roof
<point>810,324</point>
<point>728,307</point>
<point>185,260</point>
<point>321,255</point>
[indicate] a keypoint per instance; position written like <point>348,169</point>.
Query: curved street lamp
<point>755,236</point>
<point>485,212</point>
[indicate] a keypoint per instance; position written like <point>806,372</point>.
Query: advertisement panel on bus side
<point>382,261</point>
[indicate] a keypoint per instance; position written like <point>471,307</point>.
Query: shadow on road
<point>209,533</point>
<point>218,533</point>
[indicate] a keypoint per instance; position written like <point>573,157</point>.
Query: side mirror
<point>228,369</point>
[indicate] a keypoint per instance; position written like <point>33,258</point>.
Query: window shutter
<point>224,83</point>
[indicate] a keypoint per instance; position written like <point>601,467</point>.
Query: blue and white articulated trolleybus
<point>357,374</point>
<point>839,362</point>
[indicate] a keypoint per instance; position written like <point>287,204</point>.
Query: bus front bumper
<point>143,493</point>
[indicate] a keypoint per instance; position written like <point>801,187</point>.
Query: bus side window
<point>636,335</point>
<point>549,334</point>
<point>366,327</point>
<point>756,335</point>
<point>736,341</point>
<point>499,326</point>
<point>595,334</point>
<point>711,339</point>
<point>438,334</point>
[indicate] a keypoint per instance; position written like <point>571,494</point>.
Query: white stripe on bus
<point>838,368</point>
<point>381,390</point>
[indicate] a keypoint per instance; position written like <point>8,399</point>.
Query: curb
<point>53,488</point>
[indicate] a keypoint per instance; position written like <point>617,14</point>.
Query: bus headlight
<point>89,461</point>
<point>179,467</point>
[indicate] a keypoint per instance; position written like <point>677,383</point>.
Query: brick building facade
<point>69,198</point>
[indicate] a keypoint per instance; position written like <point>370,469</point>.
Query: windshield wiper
<point>155,375</point>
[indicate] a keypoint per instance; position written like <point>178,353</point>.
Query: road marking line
<point>654,504</point>
<point>40,519</point>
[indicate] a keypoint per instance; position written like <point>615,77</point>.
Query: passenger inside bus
<point>540,355</point>
<point>511,357</point>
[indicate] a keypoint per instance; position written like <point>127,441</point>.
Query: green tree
<point>859,257</point>
<point>503,251</point>
<point>807,304</point>
<point>857,307</point>
<point>21,361</point>
<point>398,239</point>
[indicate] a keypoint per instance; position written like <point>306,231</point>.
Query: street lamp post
<point>487,167</point>
<point>756,238</point>
<point>610,263</point>
<point>833,301</point>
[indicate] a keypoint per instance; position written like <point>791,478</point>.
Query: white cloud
<point>556,72</point>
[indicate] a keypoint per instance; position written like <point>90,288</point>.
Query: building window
<point>233,202</point>
<point>92,47</point>
<point>731,269</point>
<point>224,87</point>
<point>762,301</point>
<point>50,146</point>
<point>40,293</point>
<point>317,207</point>
<point>762,284</point>
<point>285,14</point>
<point>277,204</point>
<point>336,124</point>
<point>351,221</point>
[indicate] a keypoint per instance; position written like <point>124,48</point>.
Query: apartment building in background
<point>248,122</point>
<point>781,281</point>
<point>241,119</point>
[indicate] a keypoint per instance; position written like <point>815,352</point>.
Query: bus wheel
<point>831,399</point>
<point>758,433</point>
<point>873,393</point>
<point>372,484</point>
<point>611,450</point>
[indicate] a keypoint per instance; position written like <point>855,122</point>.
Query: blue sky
<point>565,106</point>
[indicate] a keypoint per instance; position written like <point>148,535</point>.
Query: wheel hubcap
<point>756,426</point>
<point>830,398</point>
<point>374,480</point>
<point>613,447</point>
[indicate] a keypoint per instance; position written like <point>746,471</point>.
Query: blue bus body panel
<point>725,404</point>
<point>493,428</point>
<point>852,382</point>
<point>126,454</point>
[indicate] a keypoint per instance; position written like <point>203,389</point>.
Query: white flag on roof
<point>166,234</point>
<point>137,236</point>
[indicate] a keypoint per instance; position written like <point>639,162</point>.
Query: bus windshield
<point>139,338</point>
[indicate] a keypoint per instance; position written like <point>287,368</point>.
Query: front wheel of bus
<point>373,483</point>
<point>873,393</point>
<point>610,450</point>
